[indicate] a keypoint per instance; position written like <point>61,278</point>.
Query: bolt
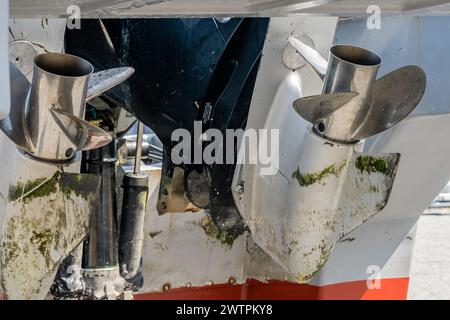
<point>239,189</point>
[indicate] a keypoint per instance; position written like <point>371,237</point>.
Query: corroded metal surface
<point>328,198</point>
<point>46,219</point>
<point>333,189</point>
<point>174,198</point>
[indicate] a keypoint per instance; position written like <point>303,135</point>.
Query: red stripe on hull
<point>389,289</point>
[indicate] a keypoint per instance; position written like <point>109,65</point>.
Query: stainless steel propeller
<point>394,97</point>
<point>80,132</point>
<point>353,104</point>
<point>46,117</point>
<point>316,108</point>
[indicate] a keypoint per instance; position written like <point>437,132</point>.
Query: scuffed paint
<point>329,211</point>
<point>154,233</point>
<point>211,230</point>
<point>46,219</point>
<point>291,246</point>
<point>42,240</point>
<point>324,255</point>
<point>333,190</point>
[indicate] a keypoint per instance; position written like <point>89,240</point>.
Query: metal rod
<point>134,205</point>
<point>139,137</point>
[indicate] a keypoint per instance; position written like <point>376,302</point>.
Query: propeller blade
<point>102,81</point>
<point>84,135</point>
<point>314,108</point>
<point>394,97</point>
<point>314,59</point>
<point>14,124</point>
